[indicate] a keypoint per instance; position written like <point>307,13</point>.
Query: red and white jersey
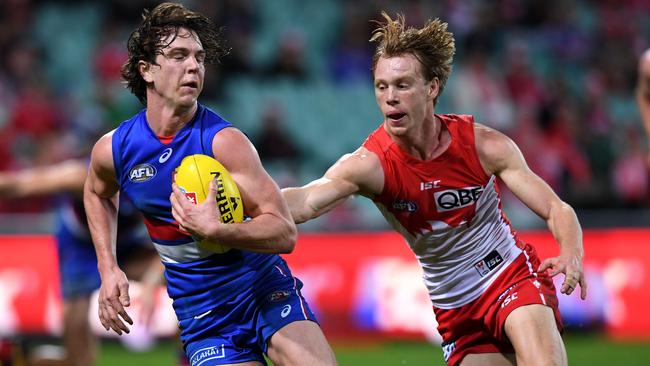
<point>449,211</point>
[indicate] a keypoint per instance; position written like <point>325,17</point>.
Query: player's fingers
<point>571,281</point>
<point>184,230</point>
<point>583,288</point>
<point>125,300</point>
<point>179,197</point>
<point>567,288</point>
<point>212,191</point>
<point>546,264</point>
<point>112,319</point>
<point>177,216</point>
<point>102,316</point>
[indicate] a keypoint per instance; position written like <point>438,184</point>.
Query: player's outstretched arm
<point>101,203</point>
<point>501,156</point>
<point>67,176</point>
<point>356,173</point>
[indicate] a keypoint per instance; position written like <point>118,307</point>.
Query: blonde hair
<point>432,45</point>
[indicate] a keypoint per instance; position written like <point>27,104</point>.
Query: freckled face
<point>404,97</point>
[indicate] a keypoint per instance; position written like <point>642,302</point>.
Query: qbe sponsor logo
<point>142,173</point>
<point>451,199</point>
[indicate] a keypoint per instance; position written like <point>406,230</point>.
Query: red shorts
<point>478,327</point>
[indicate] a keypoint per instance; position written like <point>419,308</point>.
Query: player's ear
<point>434,89</point>
<point>145,71</point>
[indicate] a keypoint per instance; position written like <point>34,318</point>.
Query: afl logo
<point>142,173</point>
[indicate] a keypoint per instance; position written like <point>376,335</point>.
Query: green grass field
<point>587,350</point>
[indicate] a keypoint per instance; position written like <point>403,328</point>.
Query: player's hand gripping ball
<point>193,177</point>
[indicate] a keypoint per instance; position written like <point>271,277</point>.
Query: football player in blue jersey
<point>233,307</point>
<point>77,261</point>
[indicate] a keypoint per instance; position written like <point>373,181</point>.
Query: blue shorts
<point>239,332</point>
<point>78,262</point>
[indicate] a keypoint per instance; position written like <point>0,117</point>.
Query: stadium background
<point>556,76</point>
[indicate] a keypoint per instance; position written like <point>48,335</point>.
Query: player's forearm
<point>565,227</point>
<point>266,233</point>
<point>102,223</point>
<point>300,210</point>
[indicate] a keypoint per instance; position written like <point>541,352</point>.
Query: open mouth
<point>191,84</point>
<point>396,116</point>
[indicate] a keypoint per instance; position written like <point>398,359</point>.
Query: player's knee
<point>300,343</point>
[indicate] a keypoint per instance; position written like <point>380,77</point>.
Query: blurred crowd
<point>557,76</point>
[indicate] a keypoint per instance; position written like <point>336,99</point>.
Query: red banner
<point>366,284</point>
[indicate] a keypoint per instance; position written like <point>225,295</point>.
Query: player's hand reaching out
<point>202,220</point>
<point>571,266</point>
<point>113,299</point>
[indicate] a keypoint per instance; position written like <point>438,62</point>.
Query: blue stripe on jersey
<point>144,168</point>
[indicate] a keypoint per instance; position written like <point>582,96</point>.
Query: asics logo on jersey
<point>285,311</point>
<point>165,155</point>
<point>142,173</point>
<point>452,199</point>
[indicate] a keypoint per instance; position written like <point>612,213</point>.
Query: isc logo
<point>452,199</point>
<point>142,173</point>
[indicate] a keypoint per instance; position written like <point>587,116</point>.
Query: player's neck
<point>167,120</point>
<point>427,142</point>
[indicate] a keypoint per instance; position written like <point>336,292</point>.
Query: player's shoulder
<point>103,148</point>
<point>494,148</point>
<point>490,139</point>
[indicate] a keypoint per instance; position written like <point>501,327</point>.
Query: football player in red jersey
<point>433,177</point>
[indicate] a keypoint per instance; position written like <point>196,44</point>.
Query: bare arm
<point>356,173</point>
<point>67,176</point>
<point>101,202</point>
<point>501,156</point>
<point>271,229</point>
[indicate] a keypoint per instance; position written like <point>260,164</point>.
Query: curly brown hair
<point>146,42</point>
<point>432,45</point>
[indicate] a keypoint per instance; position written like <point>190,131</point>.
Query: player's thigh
<point>489,359</point>
<point>75,313</point>
<point>300,343</point>
<point>533,332</point>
